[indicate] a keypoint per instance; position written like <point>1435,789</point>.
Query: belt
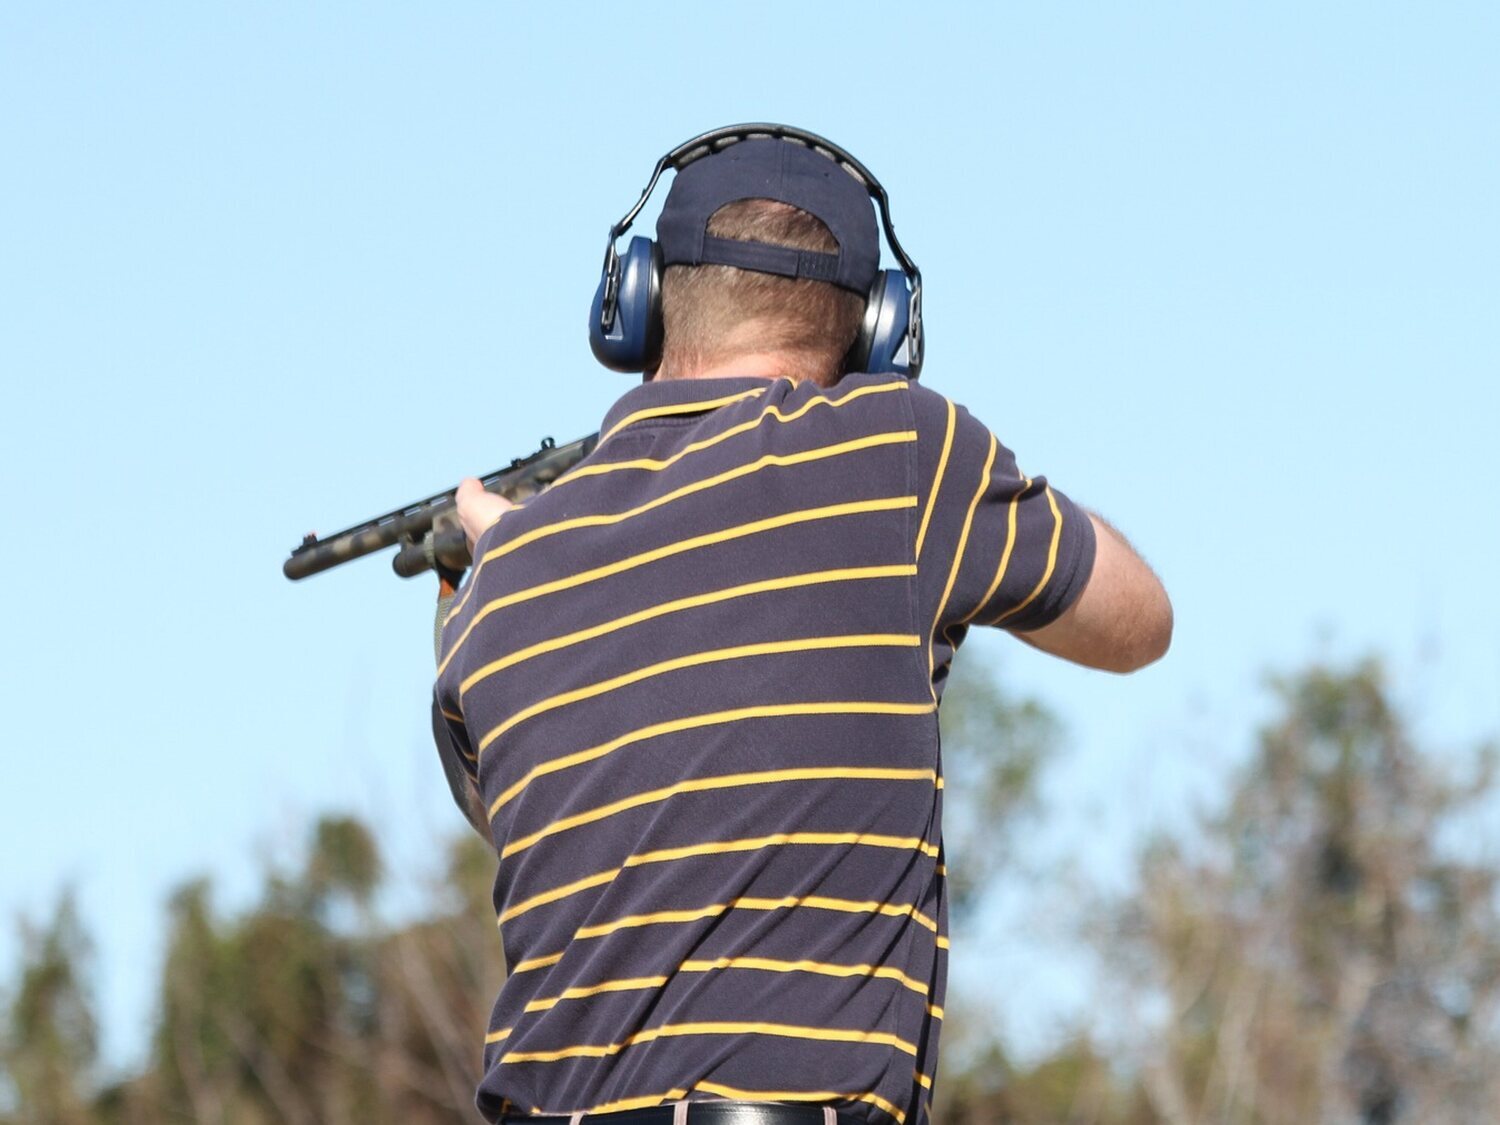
<point>700,1113</point>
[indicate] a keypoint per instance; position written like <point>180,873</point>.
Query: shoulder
<point>940,420</point>
<point>856,403</point>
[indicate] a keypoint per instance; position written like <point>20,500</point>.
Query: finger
<point>477,509</point>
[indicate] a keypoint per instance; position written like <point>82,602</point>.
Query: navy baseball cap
<point>767,168</point>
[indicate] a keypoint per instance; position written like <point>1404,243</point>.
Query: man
<point>694,687</point>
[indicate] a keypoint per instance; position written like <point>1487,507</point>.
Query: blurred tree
<point>307,1009</point>
<point>994,749</point>
<point>1317,954</point>
<point>344,860</point>
<point>994,746</point>
<point>1076,1084</point>
<point>197,1070</point>
<point>1323,949</point>
<point>50,1039</point>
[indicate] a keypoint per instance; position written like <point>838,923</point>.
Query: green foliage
<point>51,1035</point>
<point>1310,952</point>
<point>994,747</point>
<point>1319,955</point>
<point>1074,1084</point>
<point>343,859</point>
<point>304,1009</point>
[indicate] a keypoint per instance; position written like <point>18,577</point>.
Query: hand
<point>478,509</point>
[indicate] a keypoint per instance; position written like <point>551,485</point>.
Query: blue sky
<point>1226,273</point>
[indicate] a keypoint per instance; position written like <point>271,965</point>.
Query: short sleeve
<point>994,546</point>
<point>452,745</point>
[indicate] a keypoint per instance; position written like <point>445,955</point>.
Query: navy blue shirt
<point>696,681</point>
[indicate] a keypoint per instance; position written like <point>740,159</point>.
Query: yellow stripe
<point>462,599</point>
<point>1010,543</point>
<point>633,921</point>
<point>463,749</point>
<point>772,412</point>
<point>889,909</point>
<point>822,968</point>
<point>769,585</point>
<point>663,917</point>
<point>958,555</point>
<point>652,465</point>
<point>719,963</point>
<point>719,847</point>
<point>934,1011</point>
<point>714,1027</point>
<point>799,1096</point>
<point>498,1036</point>
<point>644,1102</point>
<point>706,784</point>
<point>1051,560</point>
<point>762,964</point>
<point>922,1080</point>
<point>468,587</point>
<point>630,984</point>
<point>694,722</point>
<point>813,902</point>
<point>942,942</point>
<point>937,480</point>
<point>531,963</point>
<point>694,660</point>
<point>803,515</point>
<point>771,460</point>
<point>680,408</point>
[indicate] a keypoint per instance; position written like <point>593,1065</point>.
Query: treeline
<point>305,1009</point>
<point>1323,948</point>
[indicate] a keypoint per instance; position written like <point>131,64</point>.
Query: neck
<point>755,365</point>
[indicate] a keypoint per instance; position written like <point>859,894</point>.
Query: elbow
<point>1149,640</point>
<point>1159,636</point>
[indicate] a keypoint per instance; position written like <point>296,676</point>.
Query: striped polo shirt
<point>697,682</point>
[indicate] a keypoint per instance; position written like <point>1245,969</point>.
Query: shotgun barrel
<point>427,531</point>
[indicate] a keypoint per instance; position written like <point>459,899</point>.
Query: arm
<point>460,784</point>
<point>1121,622</point>
<point>1008,550</point>
<point>477,510</point>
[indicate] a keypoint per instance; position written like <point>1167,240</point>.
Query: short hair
<point>713,312</point>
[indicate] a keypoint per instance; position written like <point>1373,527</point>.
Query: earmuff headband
<point>716,140</point>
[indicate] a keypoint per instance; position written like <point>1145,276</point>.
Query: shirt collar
<point>663,395</point>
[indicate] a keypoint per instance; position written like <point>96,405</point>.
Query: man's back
<point>697,676</point>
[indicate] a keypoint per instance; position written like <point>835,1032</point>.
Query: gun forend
<point>427,530</point>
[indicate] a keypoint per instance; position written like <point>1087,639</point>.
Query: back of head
<point>769,249</point>
<point>715,313</point>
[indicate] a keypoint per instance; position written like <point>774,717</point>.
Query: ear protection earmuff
<point>625,319</point>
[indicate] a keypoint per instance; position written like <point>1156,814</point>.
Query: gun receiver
<point>428,531</point>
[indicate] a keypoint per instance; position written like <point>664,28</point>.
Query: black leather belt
<point>699,1113</point>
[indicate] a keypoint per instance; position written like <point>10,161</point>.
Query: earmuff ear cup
<point>632,342</point>
<point>882,344</point>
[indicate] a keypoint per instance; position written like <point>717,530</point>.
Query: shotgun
<point>427,533</point>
